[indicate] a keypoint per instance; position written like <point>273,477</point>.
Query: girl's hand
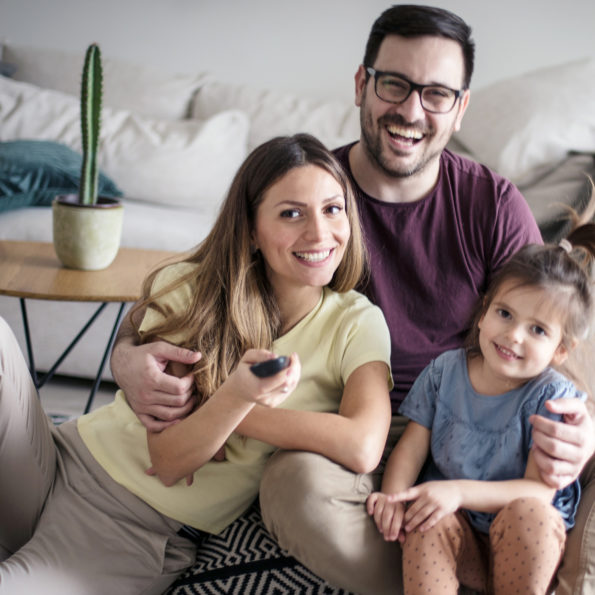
<point>270,391</point>
<point>430,502</point>
<point>388,515</point>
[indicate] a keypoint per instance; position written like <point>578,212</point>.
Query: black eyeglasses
<point>394,88</point>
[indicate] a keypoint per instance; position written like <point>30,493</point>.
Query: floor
<point>65,397</point>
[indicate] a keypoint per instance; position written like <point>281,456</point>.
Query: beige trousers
<point>65,526</point>
<point>316,511</point>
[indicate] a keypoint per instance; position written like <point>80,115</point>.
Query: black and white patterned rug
<point>245,560</point>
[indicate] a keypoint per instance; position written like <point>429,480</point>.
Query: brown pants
<point>524,548</point>
<point>65,526</point>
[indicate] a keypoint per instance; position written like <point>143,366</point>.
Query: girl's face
<point>520,335</point>
<point>302,230</point>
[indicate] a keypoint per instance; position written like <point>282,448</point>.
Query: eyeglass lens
<point>394,89</point>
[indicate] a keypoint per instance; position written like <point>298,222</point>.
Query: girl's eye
<point>541,332</point>
<point>290,213</point>
<point>503,313</point>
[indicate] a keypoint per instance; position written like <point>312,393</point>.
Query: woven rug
<point>245,560</point>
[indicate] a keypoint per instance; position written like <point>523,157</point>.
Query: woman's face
<point>302,229</point>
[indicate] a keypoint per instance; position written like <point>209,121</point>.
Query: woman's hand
<point>270,391</point>
<point>388,515</point>
<point>182,448</point>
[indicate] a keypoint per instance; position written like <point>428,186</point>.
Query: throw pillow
<point>187,163</point>
<point>143,90</point>
<point>521,124</point>
<point>33,173</point>
<point>273,113</point>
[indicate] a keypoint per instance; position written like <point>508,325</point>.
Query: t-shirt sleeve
<point>514,227</point>
<point>559,389</point>
<point>420,403</point>
<point>174,301</point>
<point>367,339</point>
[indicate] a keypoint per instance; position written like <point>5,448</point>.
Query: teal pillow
<point>33,172</point>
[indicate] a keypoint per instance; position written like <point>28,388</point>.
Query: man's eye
<point>395,85</point>
<point>438,92</point>
<point>290,213</point>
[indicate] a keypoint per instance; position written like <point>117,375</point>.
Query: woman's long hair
<point>233,307</point>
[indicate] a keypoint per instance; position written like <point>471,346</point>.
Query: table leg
<point>39,381</point>
<point>104,358</point>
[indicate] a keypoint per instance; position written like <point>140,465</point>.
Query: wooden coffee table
<point>32,270</point>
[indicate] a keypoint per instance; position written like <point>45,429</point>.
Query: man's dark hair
<point>410,20</point>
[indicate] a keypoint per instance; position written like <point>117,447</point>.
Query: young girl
<point>79,514</point>
<point>482,517</point>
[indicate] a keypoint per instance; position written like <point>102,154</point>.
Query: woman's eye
<point>290,213</point>
<point>334,209</point>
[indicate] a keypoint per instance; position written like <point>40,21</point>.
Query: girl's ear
<point>562,352</point>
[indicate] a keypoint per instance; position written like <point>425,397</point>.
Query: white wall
<point>309,46</point>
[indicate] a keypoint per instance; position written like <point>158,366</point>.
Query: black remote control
<point>270,366</point>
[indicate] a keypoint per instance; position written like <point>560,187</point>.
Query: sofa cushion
<point>274,113</point>
<point>126,86</point>
<point>33,173</point>
<point>524,123</point>
<point>174,162</point>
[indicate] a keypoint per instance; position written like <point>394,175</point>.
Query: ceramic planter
<point>87,237</point>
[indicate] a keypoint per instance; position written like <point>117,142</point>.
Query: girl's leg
<point>527,542</point>
<point>440,559</point>
<point>27,451</point>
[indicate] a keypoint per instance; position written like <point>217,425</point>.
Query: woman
<point>85,512</point>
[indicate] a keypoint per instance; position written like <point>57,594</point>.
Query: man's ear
<point>463,103</point>
<point>562,352</point>
<point>361,80</point>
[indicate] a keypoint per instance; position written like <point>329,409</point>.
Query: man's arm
<point>157,398</point>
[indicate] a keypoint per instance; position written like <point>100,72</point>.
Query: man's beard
<point>372,144</point>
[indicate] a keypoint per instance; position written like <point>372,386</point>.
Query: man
<point>437,226</point>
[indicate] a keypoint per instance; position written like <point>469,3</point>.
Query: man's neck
<point>377,183</point>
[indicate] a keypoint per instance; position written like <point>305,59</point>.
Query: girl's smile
<point>520,335</point>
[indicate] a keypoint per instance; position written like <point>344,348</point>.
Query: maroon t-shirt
<point>432,259</point>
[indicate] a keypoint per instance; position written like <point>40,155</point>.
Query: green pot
<point>87,237</point>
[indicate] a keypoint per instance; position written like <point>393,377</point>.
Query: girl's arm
<point>182,448</point>
<point>433,500</point>
<point>353,437</point>
<point>402,469</point>
<point>407,459</point>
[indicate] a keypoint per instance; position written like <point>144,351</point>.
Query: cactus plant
<point>91,91</point>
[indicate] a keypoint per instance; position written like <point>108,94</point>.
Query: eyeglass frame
<point>372,72</point>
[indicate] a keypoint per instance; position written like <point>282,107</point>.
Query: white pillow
<point>274,113</point>
<point>125,86</point>
<point>180,163</point>
<point>523,123</point>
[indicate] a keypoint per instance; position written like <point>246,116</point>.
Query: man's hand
<point>158,399</point>
<point>561,449</point>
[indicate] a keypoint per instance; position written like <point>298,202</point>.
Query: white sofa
<point>173,142</point>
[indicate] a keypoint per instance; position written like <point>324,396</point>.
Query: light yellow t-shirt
<point>340,334</point>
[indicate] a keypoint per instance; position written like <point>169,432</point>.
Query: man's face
<point>403,139</point>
